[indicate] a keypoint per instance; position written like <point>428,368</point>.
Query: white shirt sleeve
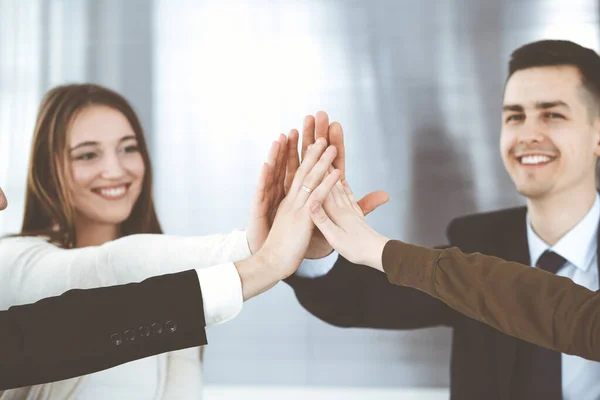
<point>221,288</point>
<point>32,268</point>
<point>314,268</point>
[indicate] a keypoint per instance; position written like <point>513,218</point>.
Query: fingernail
<point>320,140</point>
<point>345,183</point>
<point>315,207</point>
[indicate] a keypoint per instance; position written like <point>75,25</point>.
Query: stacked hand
<point>313,129</point>
<point>342,222</point>
<point>281,226</point>
<point>280,230</point>
<point>292,228</point>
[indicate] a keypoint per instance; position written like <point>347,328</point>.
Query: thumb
<point>327,227</point>
<point>373,200</point>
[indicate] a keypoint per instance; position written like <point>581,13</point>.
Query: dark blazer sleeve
<point>352,295</point>
<point>528,303</point>
<point>85,331</point>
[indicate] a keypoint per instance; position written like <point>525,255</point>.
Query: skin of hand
<point>342,222</point>
<point>292,228</point>
<point>268,195</point>
<point>314,128</point>
<point>3,202</point>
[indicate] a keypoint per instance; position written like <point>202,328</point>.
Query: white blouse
<point>31,268</point>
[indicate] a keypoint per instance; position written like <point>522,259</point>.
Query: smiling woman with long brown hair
<point>90,221</point>
<point>90,169</point>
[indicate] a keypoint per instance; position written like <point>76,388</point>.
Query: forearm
<point>524,302</point>
<point>25,262</point>
<point>352,295</point>
<point>84,331</point>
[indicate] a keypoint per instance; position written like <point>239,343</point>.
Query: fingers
<point>314,128</point>
<point>311,158</point>
<point>308,133</point>
<point>323,190</point>
<point>316,174</point>
<point>272,161</point>
<point>336,138</point>
<point>322,125</point>
<point>335,206</point>
<point>3,202</point>
<point>350,197</point>
<point>373,200</point>
<point>293,160</point>
<point>328,228</point>
<point>280,168</point>
<point>338,195</point>
<point>261,187</point>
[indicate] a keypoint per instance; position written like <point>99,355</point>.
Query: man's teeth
<point>535,159</point>
<point>113,192</point>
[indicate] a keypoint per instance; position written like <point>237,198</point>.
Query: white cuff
<point>221,292</point>
<point>317,267</point>
<point>242,249</point>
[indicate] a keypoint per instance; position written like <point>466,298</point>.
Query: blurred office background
<point>417,86</point>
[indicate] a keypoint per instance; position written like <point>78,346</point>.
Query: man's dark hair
<point>547,53</point>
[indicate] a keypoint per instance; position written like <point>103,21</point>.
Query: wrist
<point>375,252</point>
<point>317,256</point>
<point>257,275</point>
<point>270,260</point>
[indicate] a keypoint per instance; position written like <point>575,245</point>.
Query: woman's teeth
<point>113,192</point>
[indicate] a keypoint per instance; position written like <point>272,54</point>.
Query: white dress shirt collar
<point>578,246</point>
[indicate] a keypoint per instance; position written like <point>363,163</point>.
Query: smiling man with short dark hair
<point>550,144</point>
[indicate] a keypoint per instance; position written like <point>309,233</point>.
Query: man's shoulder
<point>484,225</point>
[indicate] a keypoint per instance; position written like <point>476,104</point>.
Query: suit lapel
<point>513,246</point>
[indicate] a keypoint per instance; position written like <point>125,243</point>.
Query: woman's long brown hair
<point>49,209</point>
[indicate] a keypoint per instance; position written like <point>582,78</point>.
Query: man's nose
<point>531,132</point>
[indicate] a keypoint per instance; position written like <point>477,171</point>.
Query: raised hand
<point>268,195</point>
<point>314,128</point>
<point>292,228</point>
<point>342,222</point>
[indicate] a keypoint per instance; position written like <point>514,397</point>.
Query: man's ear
<point>597,136</point>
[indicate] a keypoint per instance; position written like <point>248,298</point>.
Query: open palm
<point>314,128</point>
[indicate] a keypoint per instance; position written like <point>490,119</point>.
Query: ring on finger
<point>306,189</point>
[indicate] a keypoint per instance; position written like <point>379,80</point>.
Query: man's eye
<point>515,117</point>
<point>554,116</point>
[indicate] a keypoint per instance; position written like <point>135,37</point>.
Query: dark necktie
<point>537,372</point>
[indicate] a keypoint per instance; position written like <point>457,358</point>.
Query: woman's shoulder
<point>24,239</point>
<point>20,243</point>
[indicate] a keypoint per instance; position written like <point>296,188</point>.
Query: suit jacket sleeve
<point>84,331</point>
<point>352,295</point>
<point>528,303</point>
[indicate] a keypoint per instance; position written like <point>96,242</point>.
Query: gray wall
<point>416,85</point>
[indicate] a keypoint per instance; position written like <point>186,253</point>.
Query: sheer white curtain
<point>20,85</point>
<point>42,43</point>
<point>230,76</point>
